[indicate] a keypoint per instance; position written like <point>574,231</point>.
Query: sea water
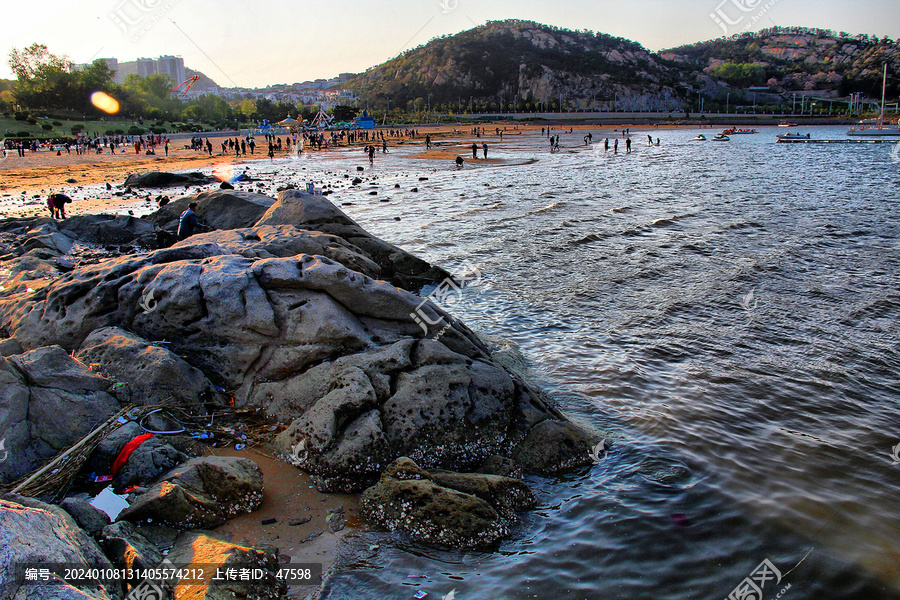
<point>725,314</point>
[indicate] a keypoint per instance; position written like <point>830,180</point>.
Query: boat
<point>786,124</point>
<point>699,138</point>
<point>793,136</point>
<point>721,138</point>
<point>735,131</point>
<point>879,128</point>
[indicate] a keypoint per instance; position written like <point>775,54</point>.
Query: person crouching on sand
<point>56,203</point>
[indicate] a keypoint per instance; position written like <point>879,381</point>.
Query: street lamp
<point>727,102</point>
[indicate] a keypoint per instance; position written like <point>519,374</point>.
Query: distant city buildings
<point>322,92</point>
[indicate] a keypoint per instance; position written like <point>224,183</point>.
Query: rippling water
<point>725,313</point>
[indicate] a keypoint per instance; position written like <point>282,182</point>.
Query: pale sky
<point>253,44</point>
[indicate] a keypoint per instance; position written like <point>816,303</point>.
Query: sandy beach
<point>38,173</point>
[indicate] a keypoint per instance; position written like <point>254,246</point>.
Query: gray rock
<point>10,347</point>
<point>127,547</point>
<point>279,241</point>
<point>153,375</point>
<point>160,179</point>
<point>462,510</point>
<point>91,520</point>
<point>110,229</point>
<point>203,493</point>
<point>220,209</point>
<point>47,403</point>
<point>34,532</point>
<point>150,460</point>
<point>318,213</point>
<point>195,548</point>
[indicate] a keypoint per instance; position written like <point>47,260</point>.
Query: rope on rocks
<point>54,477</point>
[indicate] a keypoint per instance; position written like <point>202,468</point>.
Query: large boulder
<point>220,209</point>
<point>462,510</point>
<point>48,401</point>
<point>32,532</point>
<point>127,548</point>
<point>195,550</point>
<point>160,179</point>
<point>153,375</point>
<point>203,493</point>
<point>110,229</point>
<point>318,213</point>
<point>279,241</point>
<point>338,355</point>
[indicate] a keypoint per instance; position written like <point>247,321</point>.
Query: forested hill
<point>522,64</point>
<point>797,58</point>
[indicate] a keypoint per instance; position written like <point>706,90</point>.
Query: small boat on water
<point>793,136</point>
<point>699,138</point>
<point>721,138</point>
<point>879,127</point>
<point>786,124</point>
<point>735,131</point>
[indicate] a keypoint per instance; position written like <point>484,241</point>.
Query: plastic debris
<point>240,446</point>
<point>109,502</point>
<point>420,594</point>
<point>269,521</point>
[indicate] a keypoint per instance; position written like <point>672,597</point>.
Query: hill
<point>797,58</point>
<point>525,65</point>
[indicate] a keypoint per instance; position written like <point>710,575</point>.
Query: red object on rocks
<point>127,450</point>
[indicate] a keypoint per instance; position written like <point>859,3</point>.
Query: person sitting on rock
<point>188,222</point>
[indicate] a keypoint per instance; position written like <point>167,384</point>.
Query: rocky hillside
<point>796,58</point>
<point>522,64</point>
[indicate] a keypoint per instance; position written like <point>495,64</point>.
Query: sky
<point>264,42</point>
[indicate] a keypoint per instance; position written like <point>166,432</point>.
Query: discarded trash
<point>240,446</point>
<point>102,478</point>
<point>420,594</point>
<point>269,521</point>
<point>109,502</point>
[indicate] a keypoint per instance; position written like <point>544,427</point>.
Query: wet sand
<point>40,172</point>
<point>308,524</point>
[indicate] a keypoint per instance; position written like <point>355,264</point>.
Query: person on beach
<point>271,151</point>
<point>188,222</point>
<point>56,203</point>
<point>252,145</point>
<point>606,145</point>
<point>627,145</point>
<point>167,148</point>
<point>428,141</point>
<point>484,149</point>
<point>459,162</point>
<point>383,145</point>
<point>475,149</point>
<point>208,147</point>
<point>371,155</point>
<point>650,137</point>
